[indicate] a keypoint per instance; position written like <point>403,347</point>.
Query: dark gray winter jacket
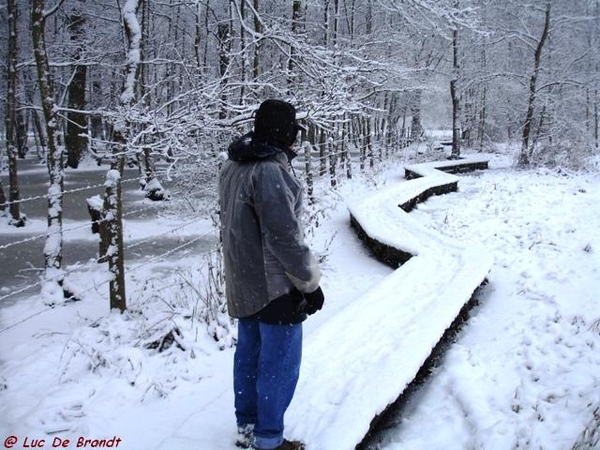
<point>263,240</point>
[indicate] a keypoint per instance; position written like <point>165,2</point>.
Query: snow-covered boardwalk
<point>386,336</point>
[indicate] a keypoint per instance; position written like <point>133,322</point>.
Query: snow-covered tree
<point>113,204</point>
<point>54,275</point>
<point>526,147</point>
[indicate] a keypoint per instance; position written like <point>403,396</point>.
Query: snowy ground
<point>524,373</point>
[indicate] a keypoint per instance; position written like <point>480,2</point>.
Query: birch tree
<point>54,275</point>
<point>455,95</point>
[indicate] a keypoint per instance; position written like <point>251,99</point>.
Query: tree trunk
<point>54,238</point>
<point>336,22</point>
<point>197,38</point>
<point>482,119</point>
<point>40,136</point>
<point>224,38</point>
<point>2,199</point>
<point>332,160</point>
<point>145,75</point>
<point>113,204</point>
<point>352,19</point>
<point>297,24</point>
<point>455,99</point>
<point>369,18</point>
<point>307,164</point>
<point>415,112</point>
<point>14,194</point>
<point>244,51</point>
<point>322,152</point>
<point>132,33</point>
<point>75,141</point>
<point>22,126</point>
<point>325,22</point>
<point>207,31</point>
<point>11,114</point>
<point>368,143</point>
<point>362,141</point>
<point>345,151</point>
<point>525,155</point>
<point>256,58</point>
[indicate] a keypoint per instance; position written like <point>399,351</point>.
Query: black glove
<point>314,301</point>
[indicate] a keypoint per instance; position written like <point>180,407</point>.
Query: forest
<point>141,81</point>
<point>137,100</point>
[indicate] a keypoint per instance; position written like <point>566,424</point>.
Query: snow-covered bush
<point>204,289</point>
<point>565,144</point>
<point>153,346</point>
<point>565,154</point>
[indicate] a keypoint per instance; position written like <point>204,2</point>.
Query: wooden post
<point>95,206</point>
<point>113,219</point>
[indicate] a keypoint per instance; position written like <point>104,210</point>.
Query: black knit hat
<point>275,123</point>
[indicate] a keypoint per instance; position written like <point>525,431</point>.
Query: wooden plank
<point>473,162</point>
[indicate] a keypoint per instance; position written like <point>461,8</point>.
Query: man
<point>272,278</point>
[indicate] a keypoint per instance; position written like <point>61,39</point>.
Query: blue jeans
<point>266,367</point>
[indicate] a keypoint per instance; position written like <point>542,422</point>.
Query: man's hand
<point>314,301</point>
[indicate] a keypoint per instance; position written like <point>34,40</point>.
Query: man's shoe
<point>288,445</point>
<point>244,436</point>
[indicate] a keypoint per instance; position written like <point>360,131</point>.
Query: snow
<point>522,373</point>
<point>153,185</point>
<point>95,202</point>
<point>430,168</point>
<point>525,372</point>
<point>133,55</point>
<point>112,178</point>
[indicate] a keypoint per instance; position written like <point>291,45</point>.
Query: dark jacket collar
<point>247,148</point>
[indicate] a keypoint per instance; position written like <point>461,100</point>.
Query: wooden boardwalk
<point>412,316</point>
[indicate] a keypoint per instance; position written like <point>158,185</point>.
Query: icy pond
<point>21,249</point>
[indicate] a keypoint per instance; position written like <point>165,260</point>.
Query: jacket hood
<point>248,148</point>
